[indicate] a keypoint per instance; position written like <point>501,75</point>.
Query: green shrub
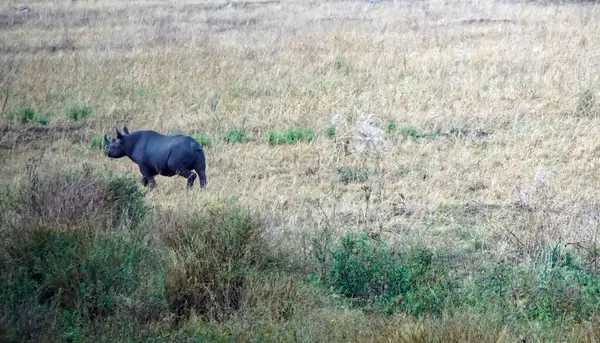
<point>554,292</point>
<point>26,115</point>
<point>291,136</point>
<point>236,136</point>
<point>66,270</point>
<point>215,252</point>
<point>203,140</point>
<point>366,269</point>
<point>76,111</point>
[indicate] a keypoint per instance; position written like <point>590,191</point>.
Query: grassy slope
<point>197,67</point>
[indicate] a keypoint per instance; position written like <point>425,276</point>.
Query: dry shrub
<point>66,200</point>
<point>214,253</point>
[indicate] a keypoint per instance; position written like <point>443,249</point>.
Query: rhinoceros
<point>158,154</point>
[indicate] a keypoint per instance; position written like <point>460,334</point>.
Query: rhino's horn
<point>105,139</point>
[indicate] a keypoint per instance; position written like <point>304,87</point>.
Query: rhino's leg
<point>147,177</point>
<point>200,168</point>
<point>148,181</point>
<point>202,175</point>
<point>189,175</point>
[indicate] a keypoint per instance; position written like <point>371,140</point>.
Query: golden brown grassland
<point>485,114</point>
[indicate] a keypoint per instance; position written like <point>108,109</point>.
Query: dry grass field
<point>467,127</point>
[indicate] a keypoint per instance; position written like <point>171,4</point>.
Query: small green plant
<point>410,131</point>
<point>330,130</point>
<point>76,111</point>
<point>97,143</point>
<point>26,115</point>
<point>236,136</point>
<point>139,91</point>
<point>391,127</point>
<point>348,175</point>
<point>202,139</point>
<point>291,136</point>
<point>340,65</point>
<point>118,89</point>
<point>586,105</point>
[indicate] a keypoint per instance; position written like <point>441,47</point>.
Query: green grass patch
<point>330,130</point>
<point>291,136</point>
<point>26,115</point>
<point>235,136</point>
<point>204,140</point>
<point>97,143</point>
<point>376,277</point>
<point>391,127</point>
<point>77,111</point>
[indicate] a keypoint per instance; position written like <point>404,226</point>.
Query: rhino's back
<point>157,146</point>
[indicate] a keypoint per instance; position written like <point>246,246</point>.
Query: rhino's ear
<point>126,130</point>
<point>119,134</point>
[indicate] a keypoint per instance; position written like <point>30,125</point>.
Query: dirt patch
<point>38,136</point>
<point>487,21</point>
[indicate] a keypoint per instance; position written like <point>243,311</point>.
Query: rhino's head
<point>115,148</point>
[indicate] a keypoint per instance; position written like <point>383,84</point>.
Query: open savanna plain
<point>396,171</point>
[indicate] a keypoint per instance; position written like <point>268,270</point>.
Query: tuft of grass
<point>204,141</point>
<point>291,136</point>
<point>26,115</point>
<point>330,130</point>
<point>587,103</point>
<point>97,143</point>
<point>340,65</point>
<point>236,136</point>
<point>348,175</point>
<point>77,111</point>
<point>411,132</point>
<point>391,127</point>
